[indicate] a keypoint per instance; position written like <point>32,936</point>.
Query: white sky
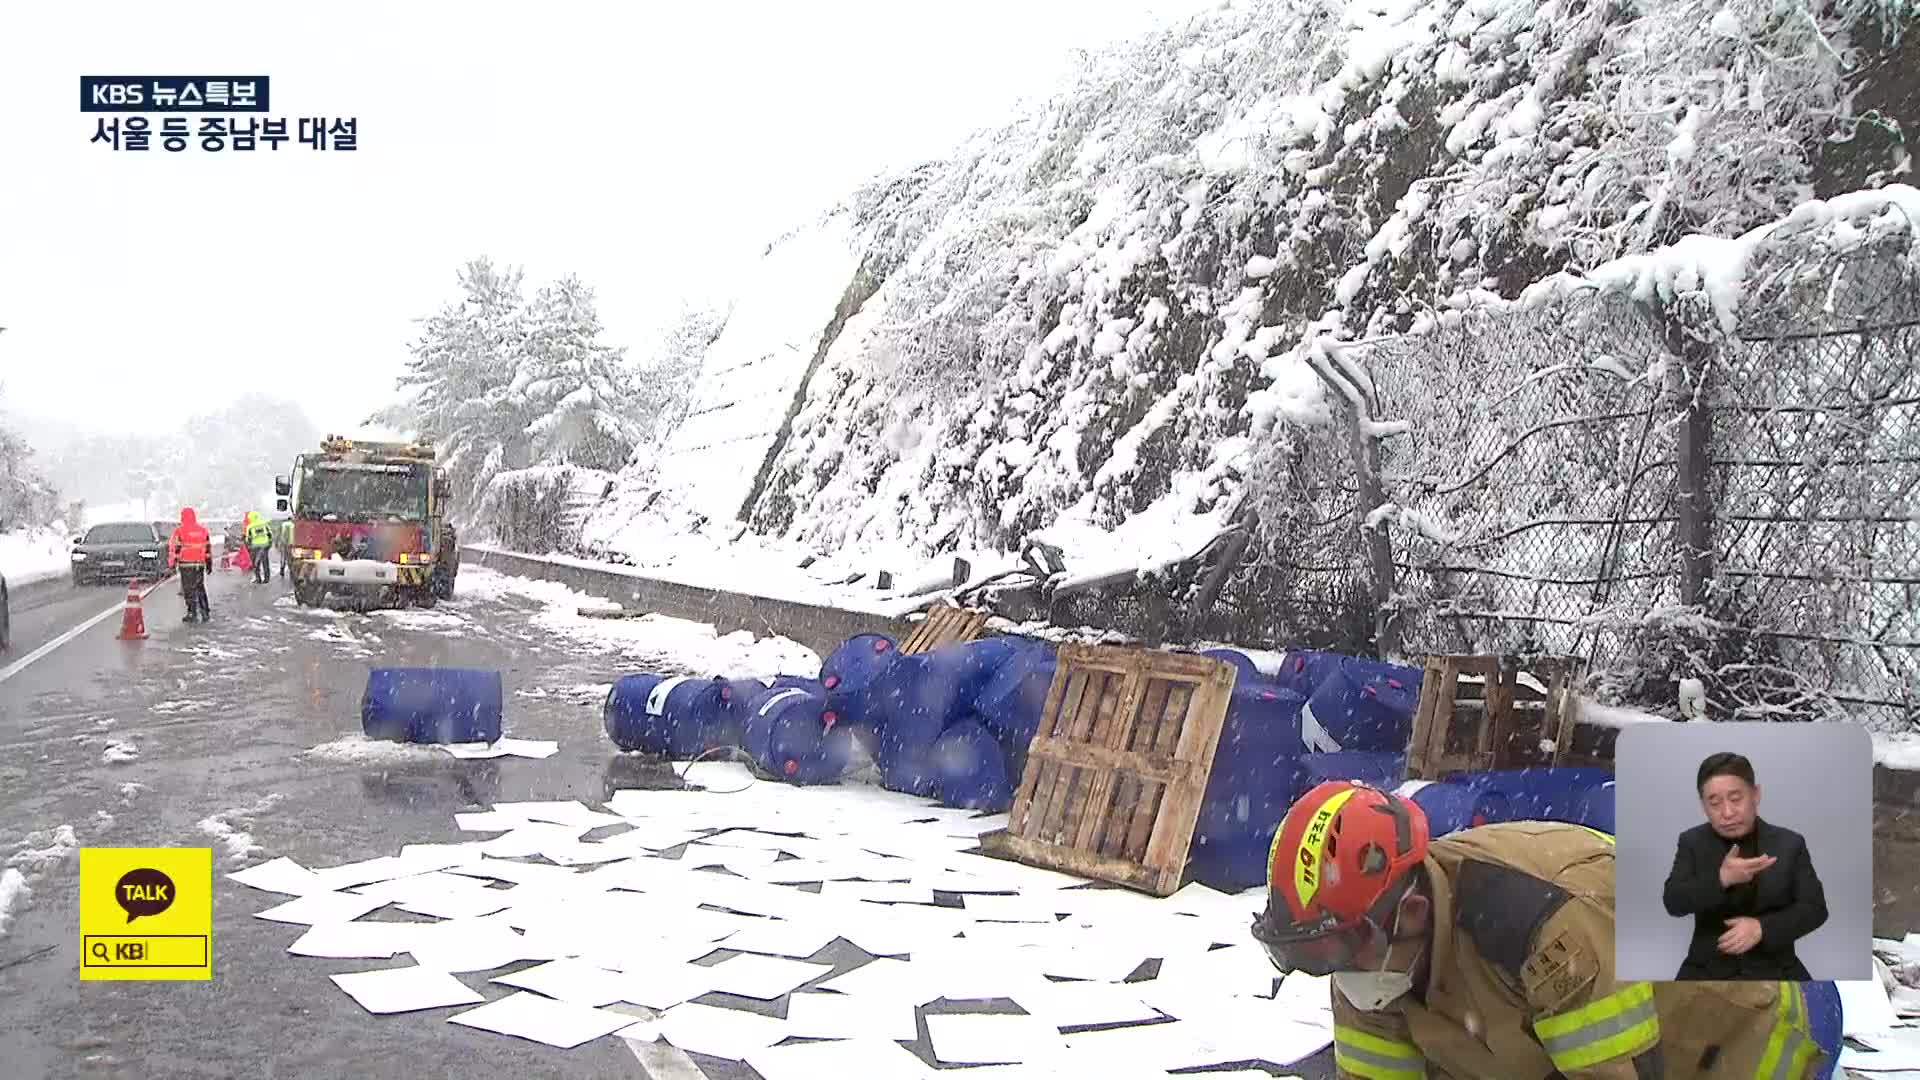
<point>139,287</point>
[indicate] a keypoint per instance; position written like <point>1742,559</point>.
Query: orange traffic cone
<point>226,559</point>
<point>133,621</point>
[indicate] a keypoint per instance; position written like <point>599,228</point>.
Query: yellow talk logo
<point>146,913</point>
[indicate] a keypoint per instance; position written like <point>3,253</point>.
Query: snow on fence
<point>1714,480</point>
<point>542,509</point>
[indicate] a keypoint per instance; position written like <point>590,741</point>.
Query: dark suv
<point>117,551</point>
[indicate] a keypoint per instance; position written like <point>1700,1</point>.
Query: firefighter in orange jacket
<point>190,551</point>
<point>1487,954</point>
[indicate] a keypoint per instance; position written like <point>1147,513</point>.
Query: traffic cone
<point>226,559</point>
<point>133,621</point>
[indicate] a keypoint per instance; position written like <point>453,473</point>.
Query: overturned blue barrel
<point>1536,794</point>
<point>1009,704</point>
<point>756,733</point>
<point>970,771</point>
<point>1377,768</point>
<point>736,698</point>
<point>1247,671</point>
<point>657,714</point>
<point>1826,1022</point>
<point>798,682</point>
<point>1303,670</point>
<point>1255,778</point>
<point>1449,807</point>
<point>803,746</point>
<point>432,705</point>
<point>852,667</point>
<point>1594,808</point>
<point>1363,705</point>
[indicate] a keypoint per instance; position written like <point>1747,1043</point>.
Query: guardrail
<point>816,626</point>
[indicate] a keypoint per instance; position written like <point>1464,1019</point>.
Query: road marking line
<point>20,665</point>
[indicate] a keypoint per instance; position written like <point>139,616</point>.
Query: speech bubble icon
<point>143,892</point>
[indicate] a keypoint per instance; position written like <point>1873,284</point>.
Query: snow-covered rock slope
<point>1096,309</point>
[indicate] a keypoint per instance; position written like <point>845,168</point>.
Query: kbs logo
<point>173,93</point>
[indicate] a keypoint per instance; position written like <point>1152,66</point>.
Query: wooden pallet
<point>1115,773</point>
<point>945,624</point>
<point>1488,712</point>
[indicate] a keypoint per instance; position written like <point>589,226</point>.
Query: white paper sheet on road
<point>487,821</point>
<point>993,1039</point>
<point>721,1033</point>
<point>366,871</point>
<point>652,836</point>
<point>1881,1061</point>
<point>432,883</point>
<point>405,989</point>
<point>1084,1004</point>
<point>781,937</point>
<point>885,979</point>
<point>520,873</point>
<point>537,749</point>
<point>556,1023</point>
<point>662,985</point>
<point>847,1016</point>
<point>878,892</point>
<point>1864,1006</point>
<point>281,875</point>
<point>764,977</point>
<point>571,980</point>
<point>559,812</point>
<point>466,945</point>
<point>866,1058</point>
<point>322,908</point>
<point>358,940</point>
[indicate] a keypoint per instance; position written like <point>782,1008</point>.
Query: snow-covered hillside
<point>1106,324</point>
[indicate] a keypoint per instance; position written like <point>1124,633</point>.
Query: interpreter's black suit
<point>1786,898</point>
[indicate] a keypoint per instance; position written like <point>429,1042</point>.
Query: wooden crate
<point>1115,772</point>
<point>1489,712</point>
<point>945,624</point>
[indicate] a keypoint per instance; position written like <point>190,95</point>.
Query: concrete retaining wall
<point>821,629</point>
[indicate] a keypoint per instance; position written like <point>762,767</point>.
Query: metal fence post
<point>1693,457</point>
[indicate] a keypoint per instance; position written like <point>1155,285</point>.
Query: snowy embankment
<point>29,556</point>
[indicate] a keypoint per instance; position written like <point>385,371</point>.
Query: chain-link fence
<point>1610,476</point>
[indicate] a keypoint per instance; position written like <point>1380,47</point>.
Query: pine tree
<point>576,388</point>
<point>460,376</point>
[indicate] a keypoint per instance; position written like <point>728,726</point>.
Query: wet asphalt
<point>222,721</point>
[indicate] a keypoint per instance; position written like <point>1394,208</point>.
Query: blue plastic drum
<point>802,747</point>
<point>1449,807</point>
<point>857,662</point>
<point>1536,794</point>
<point>1825,1017</point>
<point>1302,671</point>
<point>737,697</point>
<point>970,771</point>
<point>1247,670</point>
<point>1381,770</point>
<point>756,734</point>
<point>657,714</point>
<point>432,705</point>
<point>1362,705</point>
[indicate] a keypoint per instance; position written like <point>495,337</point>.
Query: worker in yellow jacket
<point>1487,954</point>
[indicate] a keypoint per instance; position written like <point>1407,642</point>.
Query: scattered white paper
<point>749,838</point>
<point>717,775</point>
<point>405,989</point>
<point>662,985</point>
<point>281,875</point>
<point>536,749</point>
<point>465,945</point>
<point>457,904</point>
<point>529,838</point>
<point>366,871</point>
<point>1018,908</point>
<point>472,751</point>
<point>764,977</point>
<point>1177,1045</point>
<point>703,854</point>
<point>520,873</point>
<point>884,980</point>
<point>1864,1006</point>
<point>1084,1004</point>
<point>1879,1061</point>
<point>878,892</point>
<point>652,836</point>
<point>321,907</point>
<point>856,1057</point>
<point>992,1039</point>
<point>355,940</point>
<point>432,883</point>
<point>568,812</point>
<point>582,853</point>
<point>846,1016</point>
<point>556,1023</point>
<point>780,937</point>
<point>572,980</point>
<point>722,1033</point>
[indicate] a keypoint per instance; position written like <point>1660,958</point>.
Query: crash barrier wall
<point>819,628</point>
<point>1638,482</point>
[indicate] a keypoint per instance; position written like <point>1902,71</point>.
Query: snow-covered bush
<point>541,510</point>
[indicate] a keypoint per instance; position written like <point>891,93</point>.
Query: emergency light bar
<point>334,444</point>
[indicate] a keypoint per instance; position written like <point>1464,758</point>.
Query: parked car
<point>118,550</point>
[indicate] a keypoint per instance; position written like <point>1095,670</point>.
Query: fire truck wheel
<point>306,595</point>
<point>424,596</point>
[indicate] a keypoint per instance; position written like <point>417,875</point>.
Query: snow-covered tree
<point>576,387</point>
<point>26,499</point>
<point>664,381</point>
<point>460,373</point>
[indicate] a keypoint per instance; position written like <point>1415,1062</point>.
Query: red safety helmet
<point>1340,863</point>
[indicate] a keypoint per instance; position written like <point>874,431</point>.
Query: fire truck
<point>369,523</point>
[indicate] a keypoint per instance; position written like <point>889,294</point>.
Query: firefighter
<point>260,547</point>
<point>1488,953</point>
<point>190,551</point>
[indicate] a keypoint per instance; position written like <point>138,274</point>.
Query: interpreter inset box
<point>1744,851</point>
